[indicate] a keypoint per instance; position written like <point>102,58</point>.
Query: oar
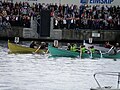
<point>80,53</point>
<point>109,50</point>
<point>101,56</point>
<point>47,51</point>
<point>37,49</point>
<point>118,51</point>
<point>91,55</point>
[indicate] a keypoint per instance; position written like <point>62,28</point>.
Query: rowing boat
<point>105,52</point>
<point>58,52</point>
<point>113,56</point>
<point>16,48</point>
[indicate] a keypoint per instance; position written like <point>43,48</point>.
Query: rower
<point>92,49</point>
<point>68,46</point>
<point>108,45</point>
<point>73,47</point>
<point>116,47</point>
<point>43,45</point>
<point>33,44</point>
<point>83,49</point>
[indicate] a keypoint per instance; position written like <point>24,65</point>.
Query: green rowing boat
<point>57,52</point>
<point>113,56</point>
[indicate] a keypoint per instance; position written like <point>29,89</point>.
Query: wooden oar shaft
<point>37,49</point>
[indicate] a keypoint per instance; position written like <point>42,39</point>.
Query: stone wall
<point>12,32</point>
<point>96,35</point>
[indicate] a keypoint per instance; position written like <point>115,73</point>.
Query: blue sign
<point>83,1</point>
<point>101,1</point>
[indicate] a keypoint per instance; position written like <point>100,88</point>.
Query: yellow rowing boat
<point>16,48</point>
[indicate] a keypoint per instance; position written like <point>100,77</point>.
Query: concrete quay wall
<point>95,35</point>
<point>68,35</point>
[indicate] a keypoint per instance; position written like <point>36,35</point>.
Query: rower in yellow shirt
<point>73,47</point>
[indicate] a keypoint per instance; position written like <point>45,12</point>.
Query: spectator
<point>66,16</point>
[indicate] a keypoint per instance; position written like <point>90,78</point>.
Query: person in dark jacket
<point>33,44</point>
<point>68,46</point>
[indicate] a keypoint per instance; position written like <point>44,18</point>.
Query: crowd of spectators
<point>88,17</point>
<point>65,16</point>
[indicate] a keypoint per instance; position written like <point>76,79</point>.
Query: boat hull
<point>107,55</point>
<point>16,48</point>
<point>113,56</point>
<point>56,52</point>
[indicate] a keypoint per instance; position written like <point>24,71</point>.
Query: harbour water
<point>39,72</point>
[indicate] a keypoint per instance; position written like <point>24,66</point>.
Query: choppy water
<point>38,72</point>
